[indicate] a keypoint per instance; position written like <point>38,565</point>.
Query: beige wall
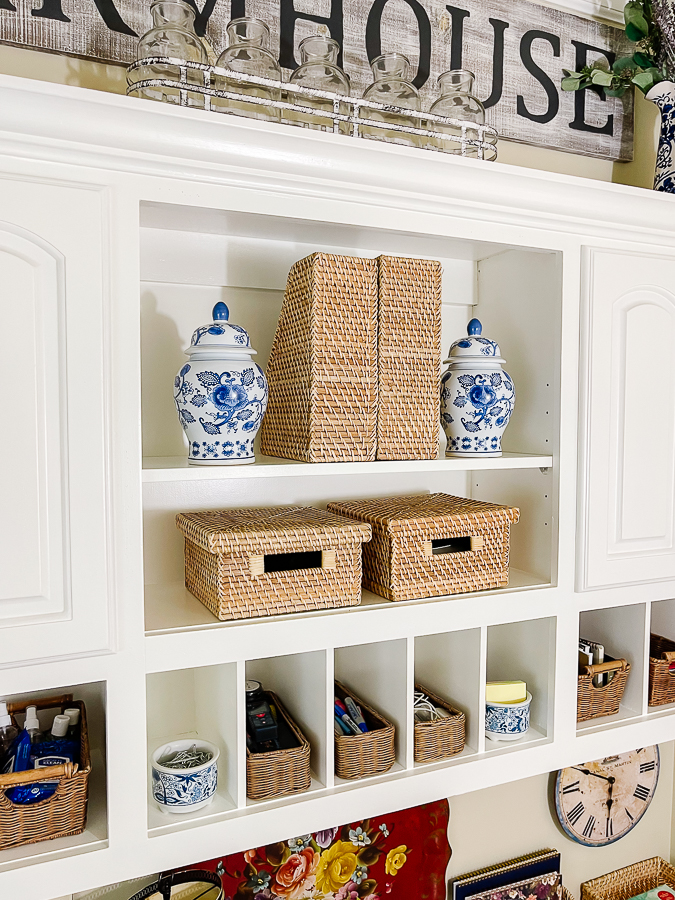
<point>498,823</point>
<point>83,73</point>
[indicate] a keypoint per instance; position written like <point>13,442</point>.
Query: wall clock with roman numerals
<point>601,801</point>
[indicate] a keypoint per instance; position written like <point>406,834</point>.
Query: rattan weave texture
<point>279,772</point>
<point>594,702</point>
<point>442,738</point>
<point>322,370</point>
<point>630,881</point>
<point>62,814</point>
<point>408,357</point>
<point>224,550</point>
<point>399,563</point>
<point>661,680</point>
<point>371,753</point>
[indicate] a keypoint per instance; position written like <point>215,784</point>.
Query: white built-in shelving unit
<point>122,222</point>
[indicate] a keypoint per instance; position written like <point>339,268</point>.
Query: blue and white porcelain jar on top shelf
<point>477,396</point>
<point>221,394</point>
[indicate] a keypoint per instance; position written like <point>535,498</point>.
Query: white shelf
<point>181,632</point>
<point>176,468</point>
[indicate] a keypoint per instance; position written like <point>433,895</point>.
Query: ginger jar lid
<point>474,346</point>
<point>220,334</point>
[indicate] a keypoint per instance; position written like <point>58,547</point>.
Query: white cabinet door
<point>53,529</point>
<point>628,420</point>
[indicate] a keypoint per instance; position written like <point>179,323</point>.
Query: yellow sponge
<point>505,692</point>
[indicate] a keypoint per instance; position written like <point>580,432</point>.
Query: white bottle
<point>74,716</point>
<point>32,725</point>
<point>8,732</point>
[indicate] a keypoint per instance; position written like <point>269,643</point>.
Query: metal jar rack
<point>347,115</point>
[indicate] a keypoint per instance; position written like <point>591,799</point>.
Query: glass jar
<point>391,72</point>
<point>248,52</point>
<point>172,34</point>
<point>319,70</point>
<point>457,102</point>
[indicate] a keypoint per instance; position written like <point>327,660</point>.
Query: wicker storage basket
<point>661,675</point>
<point>630,881</point>
<point>279,772</point>
<point>442,738</point>
<point>62,814</point>
<point>408,357</point>
<point>401,562</point>
<point>322,370</point>
<point>594,702</point>
<point>245,562</point>
<point>371,753</point>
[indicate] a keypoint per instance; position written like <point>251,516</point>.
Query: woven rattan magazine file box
<point>264,562</point>
<point>322,370</point>
<point>408,357</point>
<point>428,545</point>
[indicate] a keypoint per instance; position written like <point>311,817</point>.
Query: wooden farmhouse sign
<point>516,49</point>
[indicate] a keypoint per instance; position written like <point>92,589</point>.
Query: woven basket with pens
<point>594,701</point>
<point>370,753</point>
<point>279,772</point>
<point>439,738</point>
<point>65,812</point>
<point>661,670</point>
<point>630,881</point>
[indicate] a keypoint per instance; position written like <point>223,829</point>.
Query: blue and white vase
<point>477,396</point>
<point>663,94</point>
<point>184,790</point>
<point>221,394</point>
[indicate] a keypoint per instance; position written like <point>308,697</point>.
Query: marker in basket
<point>345,718</point>
<point>340,728</point>
<point>356,714</point>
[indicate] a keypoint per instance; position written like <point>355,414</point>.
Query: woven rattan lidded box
<point>408,357</point>
<point>428,545</point>
<point>322,370</point>
<point>264,562</point>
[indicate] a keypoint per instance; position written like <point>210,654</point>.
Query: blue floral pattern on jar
<point>506,719</point>
<point>477,396</point>
<point>220,394</point>
<point>663,94</point>
<point>184,789</point>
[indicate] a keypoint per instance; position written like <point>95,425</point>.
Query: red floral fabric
<point>391,857</point>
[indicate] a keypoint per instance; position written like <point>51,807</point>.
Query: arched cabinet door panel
<point>627,490</point>
<point>53,528</point>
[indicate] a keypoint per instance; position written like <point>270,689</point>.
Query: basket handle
<point>30,776</point>
<point>42,703</point>
<point>616,665</point>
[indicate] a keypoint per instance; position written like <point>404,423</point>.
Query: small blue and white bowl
<point>184,790</point>
<point>507,721</point>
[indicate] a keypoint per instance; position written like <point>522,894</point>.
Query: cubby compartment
<point>449,665</point>
<point>622,631</point>
<point>662,622</point>
<point>380,674</point>
<point>304,686</point>
<point>95,834</point>
<point>195,703</point>
<point>525,651</point>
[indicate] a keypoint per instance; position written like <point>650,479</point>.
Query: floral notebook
<point>397,856</point>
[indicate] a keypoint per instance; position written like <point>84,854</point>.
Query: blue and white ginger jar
<point>663,94</point>
<point>221,394</point>
<point>184,790</point>
<point>477,396</point>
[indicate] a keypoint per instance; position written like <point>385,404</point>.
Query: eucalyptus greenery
<point>650,25</point>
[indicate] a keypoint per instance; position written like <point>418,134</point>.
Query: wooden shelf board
<point>176,468</point>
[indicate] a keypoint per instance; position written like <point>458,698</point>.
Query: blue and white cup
<point>184,790</point>
<point>507,721</point>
